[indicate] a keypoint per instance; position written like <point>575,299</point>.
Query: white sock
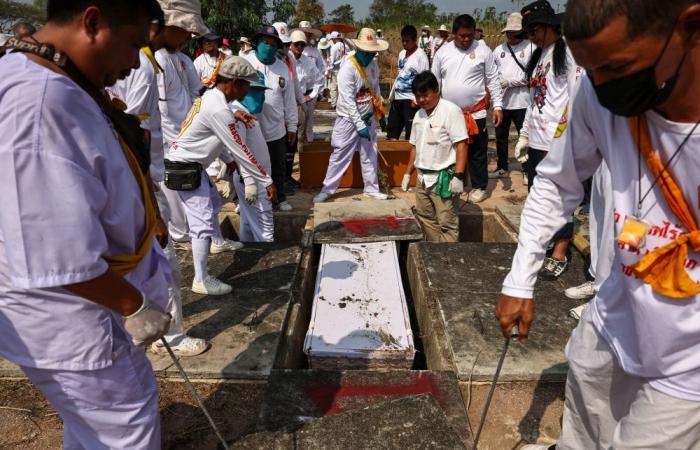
<point>200,255</point>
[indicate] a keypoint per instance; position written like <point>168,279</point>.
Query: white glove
<point>521,149</point>
<point>251,193</point>
<point>148,324</point>
<point>222,171</point>
<point>227,189</point>
<point>504,84</point>
<point>456,186</point>
<point>405,182</point>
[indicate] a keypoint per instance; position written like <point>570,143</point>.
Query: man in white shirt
<point>425,42</point>
<point>226,47</point>
<point>311,50</point>
<point>511,58</point>
<point>335,59</point>
<point>208,63</point>
<point>279,119</point>
<point>439,152</point>
<point>465,69</point>
<point>244,46</point>
<point>359,108</point>
<point>210,132</point>
<point>634,358</point>
<point>310,81</point>
<point>83,282</point>
<point>412,61</point>
<point>440,40</point>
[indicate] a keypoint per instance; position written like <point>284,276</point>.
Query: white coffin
<point>359,318</point>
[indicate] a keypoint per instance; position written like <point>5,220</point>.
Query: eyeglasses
<point>299,44</point>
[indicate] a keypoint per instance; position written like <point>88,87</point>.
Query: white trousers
<point>607,409</point>
<point>333,88</point>
<point>111,408</point>
<point>345,140</point>
<point>177,222</point>
<point>202,206</point>
<point>602,225</point>
<point>257,221</point>
<point>308,109</point>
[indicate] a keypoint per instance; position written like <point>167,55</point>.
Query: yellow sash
<point>209,82</point>
<point>151,57</point>
<point>664,268</point>
<point>376,100</point>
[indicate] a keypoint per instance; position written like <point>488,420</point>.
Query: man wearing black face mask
<point>634,378</point>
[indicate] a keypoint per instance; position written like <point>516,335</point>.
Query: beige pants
<point>606,408</point>
<point>436,215</point>
<point>333,87</point>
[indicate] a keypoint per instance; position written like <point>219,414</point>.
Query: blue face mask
<point>364,58</point>
<point>266,53</point>
<point>253,101</point>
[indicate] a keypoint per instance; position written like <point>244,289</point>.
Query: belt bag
<point>182,176</point>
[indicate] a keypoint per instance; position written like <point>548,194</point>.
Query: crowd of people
<point>116,155</point>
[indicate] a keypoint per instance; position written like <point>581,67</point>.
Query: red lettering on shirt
<point>251,157</point>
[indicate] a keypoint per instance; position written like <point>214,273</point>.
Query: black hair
<point>586,18</point>
<point>463,21</point>
<point>558,57</point>
<point>425,81</point>
<point>119,12</point>
<point>23,28</point>
<point>409,31</point>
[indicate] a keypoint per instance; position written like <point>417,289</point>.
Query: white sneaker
<point>227,246</point>
<point>285,206</point>
<point>477,196</point>
<point>321,197</point>
<point>187,346</point>
<point>499,173</point>
<point>577,312</point>
<point>210,286</point>
<point>582,291</point>
<point>537,447</point>
<point>238,209</point>
<point>377,195</point>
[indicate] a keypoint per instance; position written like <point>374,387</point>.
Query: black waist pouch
<point>182,176</point>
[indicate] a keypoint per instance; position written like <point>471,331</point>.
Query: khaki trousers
<point>606,408</point>
<point>436,215</point>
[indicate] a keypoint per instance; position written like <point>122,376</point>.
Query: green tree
<point>342,14</point>
<point>13,11</point>
<point>311,10</point>
<point>282,10</point>
<point>385,13</point>
<point>234,18</point>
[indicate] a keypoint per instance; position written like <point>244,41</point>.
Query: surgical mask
<point>425,33</point>
<point>254,100</point>
<point>364,58</point>
<point>634,94</point>
<point>266,53</point>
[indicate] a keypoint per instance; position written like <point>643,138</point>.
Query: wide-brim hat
<point>185,14</point>
<point>235,67</point>
<point>443,27</point>
<point>282,32</point>
<point>306,27</point>
<point>514,23</point>
<point>368,41</point>
<point>323,44</point>
<point>268,30</point>
<point>298,36</point>
<point>426,27</point>
<point>540,12</point>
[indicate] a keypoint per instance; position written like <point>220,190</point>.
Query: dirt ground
<point>27,421</point>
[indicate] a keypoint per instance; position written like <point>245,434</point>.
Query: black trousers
<point>400,119</point>
<point>278,153</point>
<point>289,159</point>
<point>478,158</point>
<point>510,116</point>
<point>534,158</point>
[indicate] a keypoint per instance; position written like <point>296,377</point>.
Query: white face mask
<point>425,33</point>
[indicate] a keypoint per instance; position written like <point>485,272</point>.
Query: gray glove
<point>148,324</point>
<point>456,186</point>
<point>251,193</point>
<point>405,182</point>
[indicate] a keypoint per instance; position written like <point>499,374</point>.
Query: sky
<point>446,6</point>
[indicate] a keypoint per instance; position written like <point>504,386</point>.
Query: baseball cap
<point>185,14</point>
<point>298,36</point>
<point>235,67</point>
<point>282,31</point>
<point>335,35</point>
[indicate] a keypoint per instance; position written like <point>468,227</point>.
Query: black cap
<point>540,12</point>
<point>268,30</point>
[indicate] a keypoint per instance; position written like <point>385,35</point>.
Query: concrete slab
<point>365,221</point>
<point>296,397</point>
<point>245,327</point>
<point>457,288</point>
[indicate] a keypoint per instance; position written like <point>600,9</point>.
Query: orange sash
<point>664,268</point>
<point>209,82</point>
<point>472,126</point>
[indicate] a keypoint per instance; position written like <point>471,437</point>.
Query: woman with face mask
<point>553,75</point>
<point>257,224</point>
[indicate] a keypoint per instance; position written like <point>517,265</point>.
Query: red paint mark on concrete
<point>358,225</point>
<point>326,397</point>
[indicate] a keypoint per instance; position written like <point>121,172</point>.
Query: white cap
<point>514,23</point>
<point>282,31</point>
<point>298,36</point>
<point>185,14</point>
<point>335,35</point>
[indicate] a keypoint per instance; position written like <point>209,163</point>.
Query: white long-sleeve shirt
<point>653,336</point>
<point>279,114</point>
<point>205,64</point>
<point>139,91</point>
<point>315,55</point>
<point>309,78</point>
<point>464,74</point>
<point>337,55</point>
<point>210,132</point>
<point>255,141</point>
<point>354,100</point>
<point>175,94</point>
<point>549,96</point>
<point>291,62</point>
<point>517,93</point>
